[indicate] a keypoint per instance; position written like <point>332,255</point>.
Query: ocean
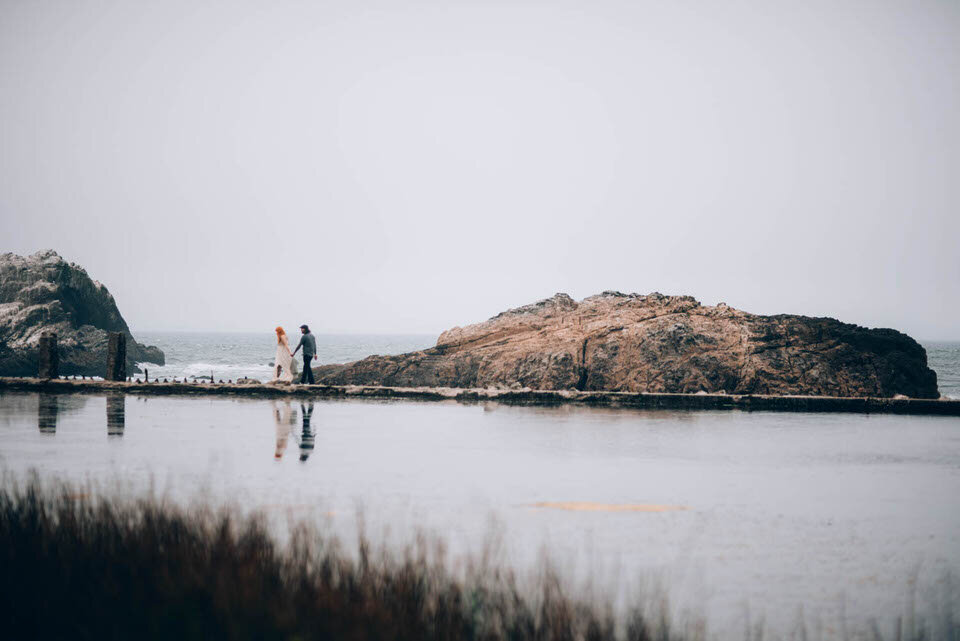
<point>229,356</point>
<point>944,359</point>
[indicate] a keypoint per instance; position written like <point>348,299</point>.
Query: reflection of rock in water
<point>307,437</point>
<point>116,414</point>
<point>47,409</point>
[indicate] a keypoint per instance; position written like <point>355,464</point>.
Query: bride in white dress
<point>283,363</point>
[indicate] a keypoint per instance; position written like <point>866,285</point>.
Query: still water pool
<point>826,518</point>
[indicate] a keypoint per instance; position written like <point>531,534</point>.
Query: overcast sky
<point>403,167</point>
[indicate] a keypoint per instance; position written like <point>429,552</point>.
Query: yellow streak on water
<point>583,506</point>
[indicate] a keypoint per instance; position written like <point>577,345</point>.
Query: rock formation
<point>43,292</point>
<point>656,343</point>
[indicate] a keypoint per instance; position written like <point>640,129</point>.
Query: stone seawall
<point>860,405</point>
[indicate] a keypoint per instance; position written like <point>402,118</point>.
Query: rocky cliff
<point>657,343</point>
<point>43,292</point>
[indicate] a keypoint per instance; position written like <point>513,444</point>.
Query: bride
<point>283,372</point>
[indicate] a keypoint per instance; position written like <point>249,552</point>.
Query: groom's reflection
<point>47,410</point>
<point>307,437</point>
<point>116,414</point>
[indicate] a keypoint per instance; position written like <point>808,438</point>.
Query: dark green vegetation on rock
<point>43,292</point>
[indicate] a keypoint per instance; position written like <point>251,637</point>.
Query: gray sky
<point>410,166</point>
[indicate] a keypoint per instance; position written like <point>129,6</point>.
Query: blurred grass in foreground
<point>81,567</point>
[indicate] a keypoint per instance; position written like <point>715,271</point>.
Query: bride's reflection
<point>116,414</point>
<point>307,436</point>
<point>285,419</point>
<point>47,410</point>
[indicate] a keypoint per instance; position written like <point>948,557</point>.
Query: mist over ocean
<point>230,356</point>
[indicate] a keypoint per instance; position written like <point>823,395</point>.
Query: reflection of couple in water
<point>283,364</point>
<point>286,419</point>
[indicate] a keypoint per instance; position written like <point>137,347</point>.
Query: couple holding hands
<point>283,370</point>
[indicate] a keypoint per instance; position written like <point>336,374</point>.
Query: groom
<point>309,345</point>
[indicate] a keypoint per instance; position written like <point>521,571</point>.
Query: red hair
<point>280,334</point>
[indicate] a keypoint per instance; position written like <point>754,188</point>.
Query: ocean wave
<point>202,369</point>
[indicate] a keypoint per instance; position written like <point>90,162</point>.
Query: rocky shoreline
<point>626,400</point>
<point>611,342</point>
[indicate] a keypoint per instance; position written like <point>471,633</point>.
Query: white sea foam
<point>218,370</point>
<point>204,368</point>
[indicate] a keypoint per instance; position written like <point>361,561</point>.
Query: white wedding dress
<point>286,419</point>
<point>285,363</point>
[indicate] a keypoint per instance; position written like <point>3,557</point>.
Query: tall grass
<point>80,567</point>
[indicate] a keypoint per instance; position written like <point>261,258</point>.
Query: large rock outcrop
<point>43,292</point>
<point>656,343</point>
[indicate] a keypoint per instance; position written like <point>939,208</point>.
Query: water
<point>944,359</point>
<point>738,515</point>
<point>230,356</point>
